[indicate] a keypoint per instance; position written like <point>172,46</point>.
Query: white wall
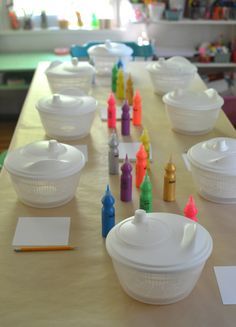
<point>30,41</point>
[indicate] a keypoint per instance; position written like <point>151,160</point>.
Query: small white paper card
<point>130,148</point>
<point>42,231</point>
<point>226,279</point>
<point>84,149</point>
<point>186,161</point>
<point>103,113</point>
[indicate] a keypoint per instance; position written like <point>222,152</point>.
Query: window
<point>68,10</point>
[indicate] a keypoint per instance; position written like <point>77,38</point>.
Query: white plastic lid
<point>194,100</point>
<point>45,160</point>
<point>174,66</point>
<point>60,104</point>
<point>217,155</point>
<point>159,242</point>
<point>110,49</point>
<point>71,68</point>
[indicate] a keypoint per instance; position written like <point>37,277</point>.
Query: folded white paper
<point>226,279</point>
<point>41,231</point>
<point>103,113</point>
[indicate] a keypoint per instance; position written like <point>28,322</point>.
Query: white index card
<point>42,231</point>
<point>130,148</point>
<point>226,279</point>
<point>103,113</point>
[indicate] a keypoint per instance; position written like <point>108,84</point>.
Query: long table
<point>80,288</point>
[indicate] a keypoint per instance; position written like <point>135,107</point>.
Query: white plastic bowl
<point>168,75</point>
<point>105,56</point>
<point>158,257</point>
<point>64,75</point>
<point>213,167</point>
<point>66,117</point>
<point>192,112</point>
<point>45,174</point>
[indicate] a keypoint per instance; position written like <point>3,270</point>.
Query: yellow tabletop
<point>80,288</point>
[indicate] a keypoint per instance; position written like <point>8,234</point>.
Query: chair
<point>143,51</point>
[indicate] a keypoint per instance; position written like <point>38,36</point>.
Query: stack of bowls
<point>168,75</point>
<point>213,167</point>
<point>158,257</point>
<point>45,174</point>
<point>67,117</point>
<point>192,112</point>
<point>63,75</point>
<point>104,56</point>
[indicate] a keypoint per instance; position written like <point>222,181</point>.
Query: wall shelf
<point>215,65</point>
<point>187,21</point>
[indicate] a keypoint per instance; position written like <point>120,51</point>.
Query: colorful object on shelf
<point>169,182</point>
<point>190,210</point>
<point>145,139</point>
<point>120,85</point>
<point>145,200</point>
<point>14,21</point>
<point>141,165</point>
<point>114,78</point>
<point>43,19</point>
<point>111,111</point>
<point>126,181</point>
<point>94,22</point>
<point>113,155</point>
<point>125,119</point>
<point>79,19</point>
<point>129,90</point>
<point>137,109</point>
<point>108,212</point>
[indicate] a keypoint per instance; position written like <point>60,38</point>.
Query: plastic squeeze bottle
<point>145,200</point>
<point>169,182</point>
<point>126,181</point>
<point>113,155</point>
<point>129,90</point>
<point>125,119</point>
<point>114,78</point>
<point>111,111</point>
<point>145,139</point>
<point>137,109</point>
<point>120,88</point>
<point>108,212</point>
<point>141,165</point>
<point>190,210</point>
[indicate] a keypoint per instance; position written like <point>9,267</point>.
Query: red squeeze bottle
<point>137,109</point>
<point>190,210</point>
<point>111,111</point>
<point>141,165</point>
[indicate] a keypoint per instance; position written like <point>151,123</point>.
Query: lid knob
<point>161,61</point>
<point>140,216</point>
<point>108,44</point>
<point>177,93</point>
<point>212,93</point>
<point>221,145</point>
<point>53,146</point>
<point>74,61</point>
<point>56,99</point>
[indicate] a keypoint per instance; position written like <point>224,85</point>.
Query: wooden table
<point>80,288</point>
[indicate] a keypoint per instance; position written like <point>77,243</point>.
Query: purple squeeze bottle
<point>125,119</point>
<point>126,181</point>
